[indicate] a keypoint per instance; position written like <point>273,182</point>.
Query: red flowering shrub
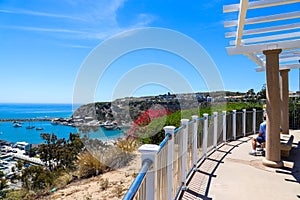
<point>140,124</point>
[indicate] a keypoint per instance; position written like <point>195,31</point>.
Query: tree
<point>3,185</point>
<point>32,151</point>
<point>19,164</point>
<point>59,153</point>
<point>250,92</point>
<point>47,151</point>
<point>262,93</point>
<point>36,178</point>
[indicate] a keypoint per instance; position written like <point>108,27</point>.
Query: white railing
<point>167,167</point>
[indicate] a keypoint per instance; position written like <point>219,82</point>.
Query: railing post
<point>149,152</point>
<point>205,133</point>
<point>170,130</point>
<point>215,129</point>
<point>195,131</point>
<point>224,126</point>
<point>184,122</point>
<point>234,124</point>
<point>254,121</point>
<point>244,122</point>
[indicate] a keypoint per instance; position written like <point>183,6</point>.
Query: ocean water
<point>25,111</point>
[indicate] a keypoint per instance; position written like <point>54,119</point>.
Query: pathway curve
<point>231,173</point>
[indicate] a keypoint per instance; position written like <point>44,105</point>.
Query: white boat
<point>17,125</point>
<point>111,127</point>
<point>54,122</point>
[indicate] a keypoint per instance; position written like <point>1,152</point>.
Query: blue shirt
<point>262,129</point>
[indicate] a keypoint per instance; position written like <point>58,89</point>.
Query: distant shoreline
<point>26,119</point>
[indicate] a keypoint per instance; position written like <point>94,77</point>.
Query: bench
<point>286,142</point>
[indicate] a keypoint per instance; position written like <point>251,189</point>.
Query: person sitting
<point>260,138</point>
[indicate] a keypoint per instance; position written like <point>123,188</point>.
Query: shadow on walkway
<point>292,164</point>
<point>199,182</point>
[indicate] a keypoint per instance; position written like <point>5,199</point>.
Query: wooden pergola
<point>272,41</point>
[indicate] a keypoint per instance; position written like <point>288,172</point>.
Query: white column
<point>215,129</point>
<point>234,124</point>
<point>184,122</point>
<point>224,126</point>
<point>170,130</point>
<point>254,121</point>
<point>205,133</point>
<point>195,130</point>
<point>273,156</point>
<point>244,122</point>
<point>149,152</point>
<point>284,100</point>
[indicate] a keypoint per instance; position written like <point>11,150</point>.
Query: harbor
<point>13,158</point>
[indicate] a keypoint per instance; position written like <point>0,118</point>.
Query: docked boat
<point>111,127</point>
<point>17,125</point>
<point>30,127</point>
<point>54,123</point>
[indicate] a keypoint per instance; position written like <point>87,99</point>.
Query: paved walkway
<point>231,173</point>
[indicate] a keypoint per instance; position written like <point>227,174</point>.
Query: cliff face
<point>127,110</point>
<point>120,111</point>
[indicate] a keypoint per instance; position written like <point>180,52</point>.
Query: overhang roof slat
<point>263,19</point>
<point>258,4</point>
<point>287,59</point>
<point>266,30</point>
<point>269,38</point>
<point>289,66</point>
<point>265,46</point>
<point>283,33</point>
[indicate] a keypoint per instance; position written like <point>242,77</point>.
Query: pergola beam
<point>241,21</point>
<point>288,58</point>
<point>270,29</point>
<point>294,44</point>
<point>287,66</point>
<point>268,38</point>
<point>263,19</point>
<point>256,59</point>
<point>258,4</point>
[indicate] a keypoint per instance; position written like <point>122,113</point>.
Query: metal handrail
<point>139,180</point>
<point>178,129</point>
<point>164,142</point>
<point>135,186</point>
<point>191,122</point>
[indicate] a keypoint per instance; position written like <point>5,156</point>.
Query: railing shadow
<point>199,181</point>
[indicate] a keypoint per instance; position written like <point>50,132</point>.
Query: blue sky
<point>44,43</point>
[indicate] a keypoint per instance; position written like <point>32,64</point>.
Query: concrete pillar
<point>273,157</point>
<point>284,100</point>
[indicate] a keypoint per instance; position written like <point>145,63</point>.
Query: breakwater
<point>27,120</point>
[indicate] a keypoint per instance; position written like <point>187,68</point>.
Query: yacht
<point>17,125</point>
